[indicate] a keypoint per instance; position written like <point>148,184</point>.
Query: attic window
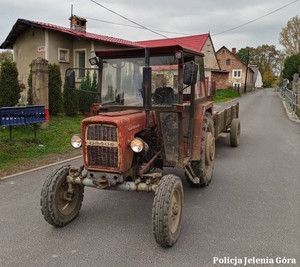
<point>63,55</point>
<point>227,62</point>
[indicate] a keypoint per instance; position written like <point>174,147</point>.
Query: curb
<point>39,168</point>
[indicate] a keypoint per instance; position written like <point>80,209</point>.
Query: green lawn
<point>22,151</point>
<point>224,95</point>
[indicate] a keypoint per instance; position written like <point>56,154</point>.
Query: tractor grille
<point>102,146</point>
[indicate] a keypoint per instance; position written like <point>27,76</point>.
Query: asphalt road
<point>251,208</point>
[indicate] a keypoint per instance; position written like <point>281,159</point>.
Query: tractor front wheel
<point>59,205</point>
<point>167,210</point>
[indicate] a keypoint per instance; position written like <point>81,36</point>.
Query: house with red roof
<point>72,47</point>
<point>202,43</point>
<point>68,47</point>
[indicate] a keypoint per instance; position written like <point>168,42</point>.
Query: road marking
<point>39,168</point>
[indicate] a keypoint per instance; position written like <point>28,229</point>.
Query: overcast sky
<point>187,17</point>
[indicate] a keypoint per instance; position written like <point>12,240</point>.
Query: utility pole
<point>245,88</point>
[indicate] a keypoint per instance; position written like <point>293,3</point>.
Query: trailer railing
<point>290,98</point>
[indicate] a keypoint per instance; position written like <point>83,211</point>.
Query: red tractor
<point>153,112</point>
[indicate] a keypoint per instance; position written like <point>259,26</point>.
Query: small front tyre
<point>235,131</point>
<point>58,206</point>
<point>167,210</point>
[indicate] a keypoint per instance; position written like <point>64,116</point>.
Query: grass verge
<point>53,144</point>
<point>224,95</point>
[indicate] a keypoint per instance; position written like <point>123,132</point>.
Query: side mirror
<point>70,78</point>
<point>190,73</point>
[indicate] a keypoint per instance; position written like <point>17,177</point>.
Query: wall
<point>210,60</point>
<point>221,79</point>
<point>26,49</point>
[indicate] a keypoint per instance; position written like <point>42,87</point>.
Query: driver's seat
<point>163,96</point>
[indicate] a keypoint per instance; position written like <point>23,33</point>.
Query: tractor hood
<point>107,136</point>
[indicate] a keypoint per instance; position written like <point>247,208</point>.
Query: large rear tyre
<point>203,168</point>
<point>58,206</point>
<point>235,131</point>
<point>167,210</point>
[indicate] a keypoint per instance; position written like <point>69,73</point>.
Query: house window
<point>80,63</point>
<point>227,62</point>
<point>237,73</point>
<point>63,55</point>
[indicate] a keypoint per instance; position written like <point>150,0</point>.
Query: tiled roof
<point>195,42</point>
<point>21,24</point>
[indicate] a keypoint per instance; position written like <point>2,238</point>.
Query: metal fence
<point>291,99</point>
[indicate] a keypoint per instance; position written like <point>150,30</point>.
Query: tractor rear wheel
<point>167,210</point>
<point>203,168</point>
<point>235,130</point>
<point>58,206</point>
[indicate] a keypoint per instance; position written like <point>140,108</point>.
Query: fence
<point>291,99</point>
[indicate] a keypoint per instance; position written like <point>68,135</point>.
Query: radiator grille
<point>100,150</point>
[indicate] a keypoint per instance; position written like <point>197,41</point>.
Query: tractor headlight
<point>76,141</point>
<point>138,145</point>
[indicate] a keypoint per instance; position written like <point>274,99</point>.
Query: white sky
<point>189,16</point>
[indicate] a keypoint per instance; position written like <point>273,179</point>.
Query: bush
<point>291,66</point>
<point>29,82</point>
<point>70,101</point>
<point>55,96</point>
<point>87,99</point>
<point>9,84</point>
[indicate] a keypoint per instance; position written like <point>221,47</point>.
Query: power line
<point>132,26</point>
<point>244,24</point>
<point>140,25</point>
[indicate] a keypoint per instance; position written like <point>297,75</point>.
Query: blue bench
<point>11,116</point>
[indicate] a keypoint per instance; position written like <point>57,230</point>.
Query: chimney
<point>77,23</point>
<point>233,51</point>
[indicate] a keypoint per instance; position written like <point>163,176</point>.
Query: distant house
<point>236,69</point>
<point>202,43</point>
<point>68,47</point>
<point>257,77</point>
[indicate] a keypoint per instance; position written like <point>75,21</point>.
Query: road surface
<point>251,208</point>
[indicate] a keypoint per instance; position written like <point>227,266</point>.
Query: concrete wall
<point>26,49</point>
<point>210,59</point>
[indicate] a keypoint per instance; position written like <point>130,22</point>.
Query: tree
<point>242,54</point>
<point>291,66</point>
<point>87,99</point>
<point>54,85</point>
<point>267,58</point>
<point>6,55</point>
<point>70,101</point>
<point>290,36</point>
<point>9,84</point>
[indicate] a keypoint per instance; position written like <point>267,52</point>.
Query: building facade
<point>236,69</point>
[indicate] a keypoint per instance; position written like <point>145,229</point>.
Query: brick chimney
<point>233,51</point>
<point>77,23</point>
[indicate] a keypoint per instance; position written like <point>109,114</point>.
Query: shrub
<point>87,99</point>
<point>55,96</point>
<point>70,101</point>
<point>29,82</point>
<point>9,84</point>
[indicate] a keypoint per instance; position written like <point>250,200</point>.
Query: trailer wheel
<point>58,207</point>
<point>167,210</point>
<point>203,168</point>
<point>235,131</point>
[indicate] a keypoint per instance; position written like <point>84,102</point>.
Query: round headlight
<point>137,145</point>
<point>76,141</point>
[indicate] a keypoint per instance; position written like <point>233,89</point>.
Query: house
<point>236,69</point>
<point>202,43</point>
<point>68,47</point>
<point>71,47</point>
<point>257,77</point>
